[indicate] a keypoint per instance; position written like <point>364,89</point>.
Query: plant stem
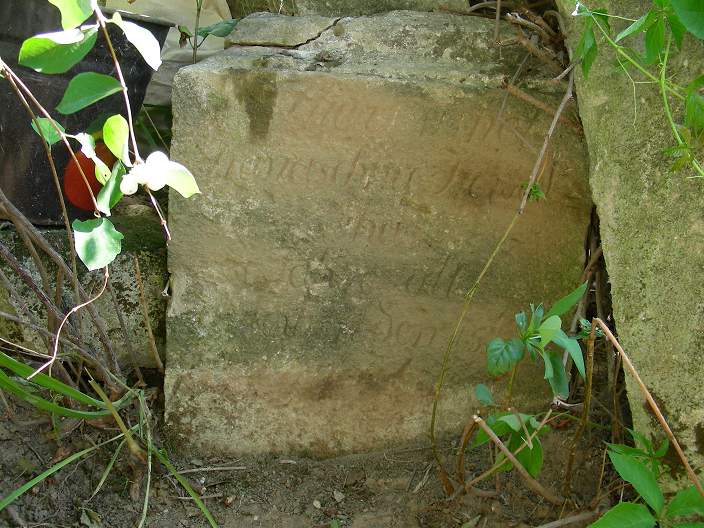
<point>652,403</point>
<point>199,3</point>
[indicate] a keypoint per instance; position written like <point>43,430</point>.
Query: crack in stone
<point>284,46</point>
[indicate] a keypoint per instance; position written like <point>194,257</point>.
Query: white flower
<point>152,173</point>
<point>576,9</point>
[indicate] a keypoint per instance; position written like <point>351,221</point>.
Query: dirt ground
<point>395,488</point>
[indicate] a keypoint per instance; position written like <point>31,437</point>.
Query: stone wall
<point>652,230</point>
<point>353,189</point>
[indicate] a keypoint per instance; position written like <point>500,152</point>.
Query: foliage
<point>659,27</point>
<point>97,241</point>
<point>641,468</point>
<point>535,335</point>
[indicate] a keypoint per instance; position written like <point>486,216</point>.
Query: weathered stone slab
<point>369,7</point>
<point>652,231</point>
<point>353,190</point>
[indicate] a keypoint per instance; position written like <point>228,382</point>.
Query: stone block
<point>652,231</point>
<point>353,189</point>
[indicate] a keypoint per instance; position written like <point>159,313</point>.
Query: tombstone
<point>353,188</point>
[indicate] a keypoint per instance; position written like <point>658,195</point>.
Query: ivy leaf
<point>568,301</point>
<point>85,89</point>
<point>677,28</point>
<point>558,380</point>
<point>626,515</point>
<point>640,477</point>
<point>50,134</point>
<point>116,135</point>
<point>586,48</point>
<point>694,110</point>
<point>73,12</point>
<point>691,15</point>
<point>639,25</point>
<point>142,39</point>
<point>503,356</point>
<point>57,52</point>
<point>110,194</point>
<point>484,395</point>
<point>97,242</point>
<point>573,348</point>
<point>548,329</point>
<point>654,41</point>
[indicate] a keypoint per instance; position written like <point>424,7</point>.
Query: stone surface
<point>144,237</point>
<point>652,230</point>
<point>266,29</point>
<point>370,7</point>
<point>353,190</point>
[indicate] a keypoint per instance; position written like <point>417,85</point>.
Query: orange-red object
<point>74,185</point>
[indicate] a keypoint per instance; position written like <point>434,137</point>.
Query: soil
<point>394,488</point>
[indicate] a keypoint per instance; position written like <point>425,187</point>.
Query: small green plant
<point>660,27</point>
<point>534,335</point>
<point>641,467</point>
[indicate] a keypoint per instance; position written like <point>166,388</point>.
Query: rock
<point>353,189</point>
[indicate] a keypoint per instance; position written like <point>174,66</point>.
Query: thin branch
<point>125,334</point>
<point>535,102</point>
<point>651,401</point>
<point>58,332</point>
<point>532,483</point>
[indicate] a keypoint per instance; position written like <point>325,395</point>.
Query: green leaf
<point>603,16</point>
<point>558,381</point>
<point>626,515</point>
<point>686,502</point>
<point>97,242</point>
<point>530,459</point>
<point>116,132</point>
<point>573,348</point>
<point>110,194</point>
<point>219,29</point>
<point>691,14</point>
<point>548,329</point>
<point>181,180</point>
<point>639,25</point>
<point>677,28</point>
<point>521,320</point>
<point>50,134</point>
<point>654,41</point>
<point>57,52</point>
<point>694,110</point>
<point>6,383</point>
<point>503,356</point>
<point>586,48</point>
<point>682,162</point>
<point>85,89</point>
<point>73,12</point>
<point>662,449</point>
<point>142,39</point>
<point>662,4</point>
<point>513,422</point>
<point>642,440</point>
<point>627,450</point>
<point>567,302</point>
<point>640,477</point>
<point>484,394</point>
<point>102,171</point>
